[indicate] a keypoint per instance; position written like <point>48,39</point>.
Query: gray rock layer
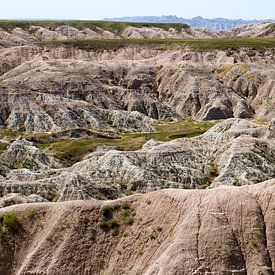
<point>234,152</point>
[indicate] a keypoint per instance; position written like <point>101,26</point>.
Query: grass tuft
<point>9,223</point>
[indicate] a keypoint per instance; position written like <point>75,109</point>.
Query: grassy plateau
<point>115,27</point>
<point>166,44</point>
<point>118,27</point>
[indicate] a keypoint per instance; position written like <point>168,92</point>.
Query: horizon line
<point>135,16</point>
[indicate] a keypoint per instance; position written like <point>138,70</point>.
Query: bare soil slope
<point>226,230</point>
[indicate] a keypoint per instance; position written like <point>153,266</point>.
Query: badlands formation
<point>103,126</point>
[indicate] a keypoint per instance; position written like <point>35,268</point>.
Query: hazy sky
<point>91,9</point>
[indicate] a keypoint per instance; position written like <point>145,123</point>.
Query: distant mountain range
<point>196,22</point>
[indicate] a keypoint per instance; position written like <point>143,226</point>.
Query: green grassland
<point>3,146</point>
<point>73,150</point>
<point>115,27</point>
<point>70,150</point>
<point>118,27</point>
<point>165,44</point>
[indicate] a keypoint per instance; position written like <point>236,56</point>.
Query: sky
<point>99,9</point>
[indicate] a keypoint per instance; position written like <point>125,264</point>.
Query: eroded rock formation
<point>223,230</point>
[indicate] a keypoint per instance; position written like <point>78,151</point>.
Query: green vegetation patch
<point>9,224</point>
<point>28,164</point>
<point>115,27</point>
<point>32,214</point>
<point>3,147</point>
<point>70,151</point>
<point>113,216</point>
<point>166,44</point>
<point>9,133</point>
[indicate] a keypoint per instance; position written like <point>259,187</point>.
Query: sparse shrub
<point>259,233</point>
<point>107,217</point>
<point>125,206</point>
<point>125,213</point>
<point>84,220</point>
<point>155,232</point>
<point>108,224</point>
<point>31,213</point>
<point>112,223</point>
<point>129,220</point>
<point>159,229</point>
<point>107,210</point>
<point>129,193</point>
<point>12,222</point>
<point>91,234</point>
<point>115,232</point>
<point>116,207</point>
<point>3,147</point>
<point>254,244</point>
<point>104,225</point>
<point>9,222</point>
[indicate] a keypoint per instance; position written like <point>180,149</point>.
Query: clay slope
<point>226,230</point>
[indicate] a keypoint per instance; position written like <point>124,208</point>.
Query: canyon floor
<point>135,148</point>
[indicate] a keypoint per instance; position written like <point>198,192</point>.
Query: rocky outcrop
<point>223,230</point>
<point>235,152</point>
<point>58,95</point>
<point>255,30</point>
<point>13,199</point>
<point>244,154</point>
<point>40,89</point>
<point>255,83</point>
<point>24,154</point>
<point>41,86</point>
